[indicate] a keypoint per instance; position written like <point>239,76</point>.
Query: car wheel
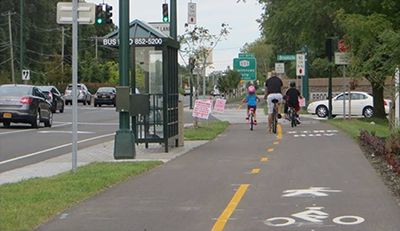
<point>322,111</point>
<point>368,112</point>
<point>6,124</point>
<point>62,108</point>
<point>36,122</point>
<point>54,109</point>
<point>95,105</point>
<point>49,122</point>
<point>90,101</point>
<point>99,105</point>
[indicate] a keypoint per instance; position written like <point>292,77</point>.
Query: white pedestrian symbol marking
<point>311,192</point>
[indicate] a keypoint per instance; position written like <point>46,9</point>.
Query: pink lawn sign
<point>302,102</point>
<point>219,105</point>
<point>202,109</point>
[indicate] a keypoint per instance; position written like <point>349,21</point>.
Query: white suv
<point>84,95</point>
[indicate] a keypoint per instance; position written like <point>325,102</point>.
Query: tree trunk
<point>379,109</point>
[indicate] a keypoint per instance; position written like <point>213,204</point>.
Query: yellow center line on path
<point>271,150</point>
<point>276,143</point>
<point>226,214</point>
<point>279,131</point>
<point>264,159</point>
<point>256,170</point>
<point>240,107</point>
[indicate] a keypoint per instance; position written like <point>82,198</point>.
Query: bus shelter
<point>154,93</point>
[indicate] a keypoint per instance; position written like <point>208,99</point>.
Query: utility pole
<point>97,48</point>
<point>174,19</point>
<point>62,49</point>
<point>74,85</point>
<point>21,37</point>
<point>11,47</point>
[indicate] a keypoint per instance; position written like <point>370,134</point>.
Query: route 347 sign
<point>26,75</point>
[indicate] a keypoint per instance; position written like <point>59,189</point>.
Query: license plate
<point>7,115</point>
<point>104,96</point>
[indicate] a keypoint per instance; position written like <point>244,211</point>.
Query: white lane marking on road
<point>329,134</point>
<point>332,131</point>
<point>315,135</point>
<point>32,129</point>
<point>54,148</point>
<point>292,132</point>
<point>311,192</point>
<point>64,132</point>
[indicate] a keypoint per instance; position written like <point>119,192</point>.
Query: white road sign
<point>280,68</point>
<point>86,13</point>
<point>26,75</point>
<point>300,64</point>
<point>341,58</point>
<point>192,17</point>
<point>161,26</point>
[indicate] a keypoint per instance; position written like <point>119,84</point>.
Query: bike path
<point>237,182</point>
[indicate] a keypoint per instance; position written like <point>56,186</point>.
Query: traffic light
<point>165,12</point>
<point>99,14</point>
<point>109,14</point>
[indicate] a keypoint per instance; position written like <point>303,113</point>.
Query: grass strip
<point>234,100</point>
<point>206,131</point>
<point>353,127</point>
<point>27,204</point>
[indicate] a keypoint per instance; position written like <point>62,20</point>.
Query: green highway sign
<point>247,67</point>
<point>286,57</point>
<point>246,55</point>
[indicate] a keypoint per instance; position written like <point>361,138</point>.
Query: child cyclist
<point>251,99</point>
<point>292,99</point>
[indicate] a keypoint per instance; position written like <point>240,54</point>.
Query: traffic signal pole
<point>173,31</point>
<point>124,145</point>
<point>304,79</point>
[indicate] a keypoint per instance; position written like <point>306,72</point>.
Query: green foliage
<point>229,82</point>
<point>264,54</point>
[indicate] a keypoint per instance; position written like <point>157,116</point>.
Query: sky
<point>241,17</point>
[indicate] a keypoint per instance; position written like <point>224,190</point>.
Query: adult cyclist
<point>273,90</point>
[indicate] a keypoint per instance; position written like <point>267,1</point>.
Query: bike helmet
<point>292,84</point>
<point>251,89</point>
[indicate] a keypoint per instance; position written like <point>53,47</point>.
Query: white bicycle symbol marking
<point>313,215</point>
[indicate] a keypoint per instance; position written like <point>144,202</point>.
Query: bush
<point>393,141</point>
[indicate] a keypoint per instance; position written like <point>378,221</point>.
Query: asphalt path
<point>21,145</point>
<point>312,177</point>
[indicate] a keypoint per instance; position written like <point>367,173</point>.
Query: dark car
<point>55,98</point>
<point>105,95</point>
<point>24,104</point>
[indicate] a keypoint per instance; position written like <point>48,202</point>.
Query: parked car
<point>24,104</point>
<point>361,105</point>
<point>84,95</point>
<point>187,91</point>
<point>55,98</point>
<point>105,95</point>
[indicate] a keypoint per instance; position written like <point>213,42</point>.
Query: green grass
<point>235,100</point>
<point>206,131</point>
<point>353,127</point>
<point>27,204</point>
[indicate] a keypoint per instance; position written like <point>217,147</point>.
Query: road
<point>21,145</point>
<point>312,177</point>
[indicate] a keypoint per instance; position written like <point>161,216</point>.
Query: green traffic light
<point>165,19</point>
<point>99,21</point>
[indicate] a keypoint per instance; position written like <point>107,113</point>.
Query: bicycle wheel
<point>292,118</point>
<point>274,121</point>
<point>251,122</point>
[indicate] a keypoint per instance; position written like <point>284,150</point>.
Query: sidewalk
<point>98,153</point>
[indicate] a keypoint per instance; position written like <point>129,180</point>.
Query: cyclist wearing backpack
<point>292,99</point>
<point>251,99</point>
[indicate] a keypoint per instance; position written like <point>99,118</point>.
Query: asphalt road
<point>314,178</point>
<point>21,145</point>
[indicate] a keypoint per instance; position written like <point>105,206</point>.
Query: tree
<point>364,34</point>
<point>229,82</point>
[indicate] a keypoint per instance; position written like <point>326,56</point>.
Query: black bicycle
<point>292,115</point>
<point>275,115</point>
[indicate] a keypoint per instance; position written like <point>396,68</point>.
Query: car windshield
<point>70,88</point>
<point>14,90</point>
<point>45,88</point>
<point>105,90</point>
